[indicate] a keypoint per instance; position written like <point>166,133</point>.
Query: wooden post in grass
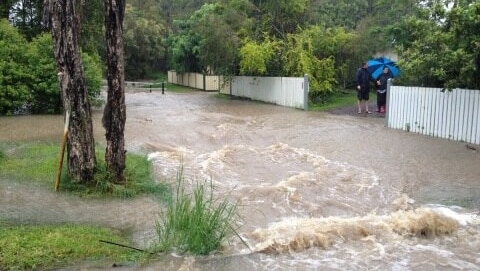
<point>64,141</point>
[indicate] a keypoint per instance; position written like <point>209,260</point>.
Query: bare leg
<point>359,103</point>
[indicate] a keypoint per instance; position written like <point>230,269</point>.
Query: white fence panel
<point>213,82</point>
<point>476,120</point>
<point>286,91</point>
<point>430,111</point>
<point>196,80</point>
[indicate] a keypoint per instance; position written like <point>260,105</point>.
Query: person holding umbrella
<point>382,81</point>
<point>363,79</point>
<point>382,68</point>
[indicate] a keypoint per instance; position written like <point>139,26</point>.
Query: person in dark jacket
<point>382,81</point>
<point>363,87</point>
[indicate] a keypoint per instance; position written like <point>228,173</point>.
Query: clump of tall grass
<point>196,222</point>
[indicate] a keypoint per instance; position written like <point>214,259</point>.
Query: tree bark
<point>81,145</point>
<point>114,114</point>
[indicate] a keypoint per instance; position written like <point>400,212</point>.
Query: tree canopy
<point>440,45</point>
<point>436,40</point>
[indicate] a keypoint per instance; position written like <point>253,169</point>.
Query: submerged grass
<point>336,100</point>
<point>38,162</point>
<point>195,222</point>
<point>28,247</point>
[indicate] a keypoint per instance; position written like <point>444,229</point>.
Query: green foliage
<point>255,57</point>
<point>39,162</point>
<point>301,60</point>
<point>28,247</point>
<point>216,57</point>
<point>92,32</point>
<point>440,46</point>
<point>282,17</point>
<point>184,47</point>
<point>93,77</point>
<point>144,48</point>
<point>339,13</point>
<point>44,82</point>
<point>208,41</point>
<point>196,223</point>
<point>27,17</point>
<point>336,43</point>
<point>28,78</point>
<point>14,75</point>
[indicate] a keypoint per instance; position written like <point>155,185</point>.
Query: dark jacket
<point>383,78</point>
<point>363,79</point>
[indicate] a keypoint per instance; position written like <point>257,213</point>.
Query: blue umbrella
<point>375,67</point>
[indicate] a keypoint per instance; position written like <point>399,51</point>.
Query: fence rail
<point>447,114</point>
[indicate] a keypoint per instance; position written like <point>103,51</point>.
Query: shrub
<point>14,74</point>
<point>28,76</point>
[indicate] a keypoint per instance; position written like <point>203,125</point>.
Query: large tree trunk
<point>114,115</point>
<point>81,145</point>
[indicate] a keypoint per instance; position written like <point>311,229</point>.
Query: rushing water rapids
<point>316,191</point>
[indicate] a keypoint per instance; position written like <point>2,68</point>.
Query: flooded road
<point>316,191</point>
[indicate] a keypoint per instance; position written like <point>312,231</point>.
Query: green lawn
<point>37,247</point>
<point>338,99</point>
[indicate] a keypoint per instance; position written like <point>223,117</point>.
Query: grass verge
<point>38,162</point>
<point>195,222</point>
<point>47,246</point>
<point>337,99</point>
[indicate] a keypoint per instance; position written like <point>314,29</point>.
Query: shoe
<point>359,112</point>
<point>368,112</point>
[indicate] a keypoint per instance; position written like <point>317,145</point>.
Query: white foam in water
<point>462,218</point>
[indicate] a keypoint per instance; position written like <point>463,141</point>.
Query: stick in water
<point>120,245</point>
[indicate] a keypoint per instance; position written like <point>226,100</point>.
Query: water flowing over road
<point>317,191</point>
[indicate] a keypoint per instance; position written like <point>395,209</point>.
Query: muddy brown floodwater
<point>317,191</point>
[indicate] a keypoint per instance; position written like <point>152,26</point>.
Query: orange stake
<point>60,163</point>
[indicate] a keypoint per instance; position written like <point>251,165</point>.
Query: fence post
<point>387,114</point>
<point>305,92</point>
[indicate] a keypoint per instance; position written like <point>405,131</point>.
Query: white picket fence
<point>447,114</point>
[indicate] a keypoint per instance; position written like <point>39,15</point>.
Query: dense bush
<point>14,92</point>
<point>28,76</point>
<point>44,83</point>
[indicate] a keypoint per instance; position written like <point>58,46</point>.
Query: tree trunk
<point>81,145</point>
<point>114,115</point>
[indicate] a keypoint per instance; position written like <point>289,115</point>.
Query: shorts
<point>362,95</point>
